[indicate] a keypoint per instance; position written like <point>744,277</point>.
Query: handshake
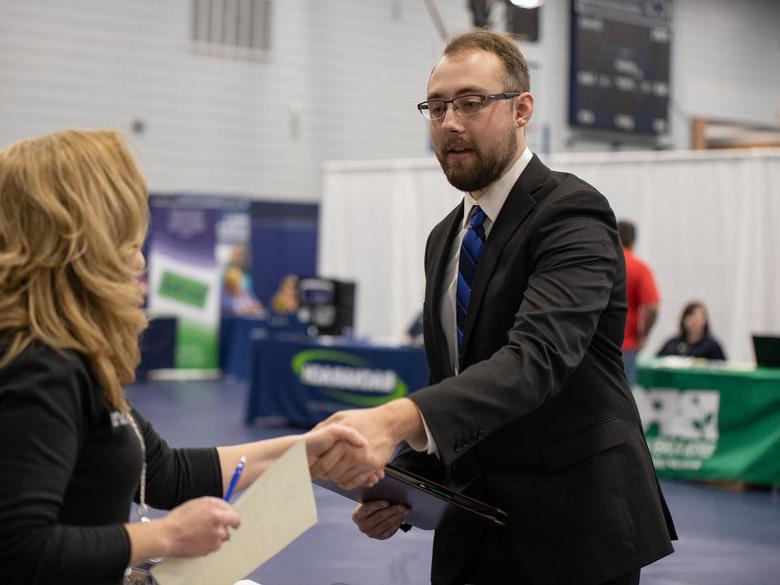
<point>353,446</point>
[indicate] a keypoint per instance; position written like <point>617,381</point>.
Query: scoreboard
<point>620,65</point>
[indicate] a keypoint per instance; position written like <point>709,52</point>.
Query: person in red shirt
<point>642,299</point>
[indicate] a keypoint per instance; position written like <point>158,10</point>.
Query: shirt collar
<point>496,194</point>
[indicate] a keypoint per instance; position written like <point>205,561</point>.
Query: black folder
<point>431,505</point>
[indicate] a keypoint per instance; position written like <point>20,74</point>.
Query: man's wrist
<point>405,422</point>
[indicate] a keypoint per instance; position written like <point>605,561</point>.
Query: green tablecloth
<point>711,423</point>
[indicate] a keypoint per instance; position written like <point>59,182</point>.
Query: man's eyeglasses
<point>466,105</point>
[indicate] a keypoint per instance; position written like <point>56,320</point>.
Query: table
<point>234,339</point>
<point>305,381</point>
<point>711,422</point>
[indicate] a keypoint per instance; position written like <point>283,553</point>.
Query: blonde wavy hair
<point>73,210</point>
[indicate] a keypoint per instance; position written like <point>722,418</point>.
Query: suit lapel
<point>518,205</point>
<point>438,279</point>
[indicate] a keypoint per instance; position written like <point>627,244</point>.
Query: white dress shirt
<point>490,201</point>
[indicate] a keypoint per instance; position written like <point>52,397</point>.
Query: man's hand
<point>383,427</point>
<point>351,444</point>
<point>379,519</point>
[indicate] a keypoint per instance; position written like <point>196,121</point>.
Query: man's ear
<point>524,109</point>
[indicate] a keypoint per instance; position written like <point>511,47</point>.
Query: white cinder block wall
<point>341,83</point>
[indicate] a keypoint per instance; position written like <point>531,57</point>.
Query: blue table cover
<point>234,339</point>
<point>305,381</point>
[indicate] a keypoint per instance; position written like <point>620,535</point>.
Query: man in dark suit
<point>525,303</point>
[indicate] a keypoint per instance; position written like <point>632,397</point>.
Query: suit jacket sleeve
<point>574,263</point>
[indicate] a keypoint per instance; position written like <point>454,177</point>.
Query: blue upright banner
<point>284,241</point>
<point>307,381</point>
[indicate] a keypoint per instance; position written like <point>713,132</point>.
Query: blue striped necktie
<point>470,251</point>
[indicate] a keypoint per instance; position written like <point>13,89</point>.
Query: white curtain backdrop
<point>707,224</point>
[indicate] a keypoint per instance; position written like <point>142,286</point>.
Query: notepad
<point>277,508</point>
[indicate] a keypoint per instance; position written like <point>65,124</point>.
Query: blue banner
<point>284,241</point>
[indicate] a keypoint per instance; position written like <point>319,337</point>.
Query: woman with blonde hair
<point>73,452</point>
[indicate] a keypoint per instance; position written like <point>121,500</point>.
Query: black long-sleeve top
<point>707,347</point>
<point>70,466</point>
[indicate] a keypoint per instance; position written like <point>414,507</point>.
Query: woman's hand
<point>322,439</point>
<point>199,526</point>
<point>193,529</point>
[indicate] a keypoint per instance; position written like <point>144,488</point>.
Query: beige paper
<point>276,509</point>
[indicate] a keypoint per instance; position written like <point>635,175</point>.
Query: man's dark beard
<point>484,173</point>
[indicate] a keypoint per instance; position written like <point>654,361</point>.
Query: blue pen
<point>235,478</point>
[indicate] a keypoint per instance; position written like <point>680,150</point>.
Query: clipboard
<point>432,505</point>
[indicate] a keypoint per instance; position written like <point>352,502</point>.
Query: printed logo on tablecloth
<point>681,426</point>
<point>348,378</point>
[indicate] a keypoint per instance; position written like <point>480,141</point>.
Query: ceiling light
<point>527,3</point>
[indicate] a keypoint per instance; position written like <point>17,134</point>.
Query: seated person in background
<point>694,339</point>
<point>73,452</point>
<point>236,298</point>
<point>285,300</point>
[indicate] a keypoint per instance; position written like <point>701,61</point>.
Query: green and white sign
<point>712,424</point>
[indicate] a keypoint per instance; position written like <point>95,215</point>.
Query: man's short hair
<point>503,46</point>
<point>627,231</point>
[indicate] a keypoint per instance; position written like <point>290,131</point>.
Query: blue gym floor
<point>725,538</point>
